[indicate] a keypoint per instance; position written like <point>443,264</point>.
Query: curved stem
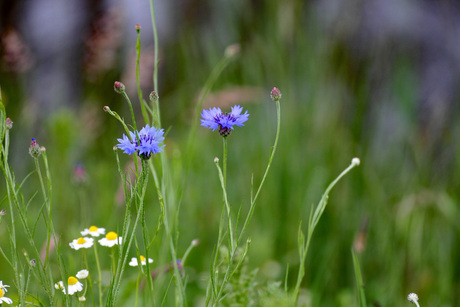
<point>272,154</point>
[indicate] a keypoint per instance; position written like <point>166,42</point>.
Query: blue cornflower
<point>214,119</point>
<point>145,143</point>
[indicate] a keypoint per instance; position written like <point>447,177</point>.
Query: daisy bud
<point>82,299</point>
<point>355,161</point>
<point>43,148</point>
<point>115,148</point>
<point>153,96</point>
<point>275,94</point>
<point>216,160</point>
<point>138,28</point>
<point>232,50</point>
<point>195,242</point>
<point>119,87</point>
<point>33,262</point>
<point>9,123</point>
<point>34,149</point>
<point>3,212</point>
<point>413,298</point>
<point>106,109</point>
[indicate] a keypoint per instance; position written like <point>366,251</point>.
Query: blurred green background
<point>374,79</point>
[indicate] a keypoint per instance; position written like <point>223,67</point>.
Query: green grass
<point>407,192</point>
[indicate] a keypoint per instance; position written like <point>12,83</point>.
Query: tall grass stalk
<point>359,280</point>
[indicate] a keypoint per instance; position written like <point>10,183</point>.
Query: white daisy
<point>59,285</point>
<point>93,231</point>
<point>3,290</point>
<point>3,287</point>
<point>134,261</point>
<point>110,239</point>
<point>73,286</point>
<point>82,274</point>
<point>81,243</point>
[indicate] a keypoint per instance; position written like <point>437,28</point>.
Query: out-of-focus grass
<point>328,117</point>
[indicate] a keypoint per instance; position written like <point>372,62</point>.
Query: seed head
<point>119,87</point>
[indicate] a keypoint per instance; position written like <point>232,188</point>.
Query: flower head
<point>3,290</point>
<point>59,285</point>
<point>134,261</point>
<point>4,299</point>
<point>145,142</point>
<point>93,231</point>
<point>82,274</point>
<point>110,239</point>
<point>214,119</point>
<point>73,286</point>
<point>82,242</point>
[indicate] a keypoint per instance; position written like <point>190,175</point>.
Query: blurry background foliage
<point>374,79</point>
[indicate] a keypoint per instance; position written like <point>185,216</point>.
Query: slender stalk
<point>131,109</point>
<point>155,70</point>
<point>139,92</point>
<point>48,228</point>
<point>85,258</point>
<point>98,273</point>
<point>359,280</point>
<point>270,160</point>
<point>227,205</point>
<point>313,221</point>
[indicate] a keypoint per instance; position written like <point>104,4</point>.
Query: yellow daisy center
<point>93,228</point>
<point>1,293</point>
<point>72,281</point>
<point>142,258</point>
<point>111,236</point>
<point>81,241</point>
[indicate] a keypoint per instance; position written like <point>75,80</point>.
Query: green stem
<point>272,154</point>
<point>98,273</point>
<point>131,110</point>
<point>313,221</point>
<point>156,106</point>
<point>139,92</point>
<point>137,286</point>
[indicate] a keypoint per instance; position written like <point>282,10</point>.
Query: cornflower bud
<point>34,149</point>
<point>106,109</point>
<point>275,94</point>
<point>9,123</point>
<point>154,96</point>
<point>138,28</point>
<point>119,87</point>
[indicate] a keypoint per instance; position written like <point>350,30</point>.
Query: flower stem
<point>99,274</point>
<point>139,92</point>
<point>272,154</point>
